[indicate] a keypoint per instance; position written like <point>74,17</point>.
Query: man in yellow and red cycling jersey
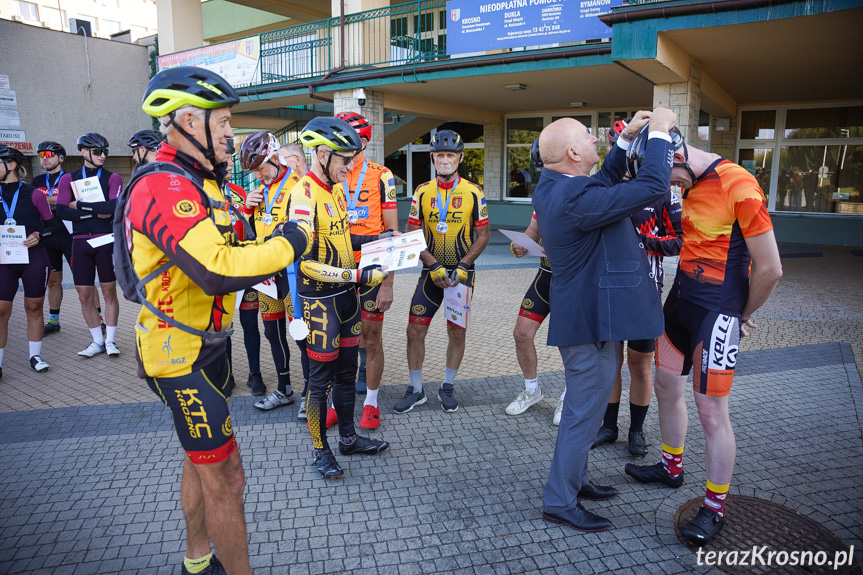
<point>726,228</point>
<point>183,227</point>
<point>371,194</point>
<point>327,282</point>
<point>269,206</point>
<point>454,218</point>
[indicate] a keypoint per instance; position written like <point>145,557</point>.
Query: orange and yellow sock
<point>715,497</point>
<point>197,565</point>
<point>672,460</point>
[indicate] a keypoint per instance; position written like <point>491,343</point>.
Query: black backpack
<point>132,285</point>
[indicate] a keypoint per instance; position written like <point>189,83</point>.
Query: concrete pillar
<point>684,98</point>
<point>724,143</point>
<point>180,25</point>
<point>346,101</point>
<point>494,161</point>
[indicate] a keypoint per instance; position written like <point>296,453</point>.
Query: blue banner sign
<point>479,25</point>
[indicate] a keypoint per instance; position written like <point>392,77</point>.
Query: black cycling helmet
<point>231,149</point>
<point>333,133</point>
<point>150,139</point>
<point>446,141</point>
<point>10,154</point>
<point>534,153</point>
<point>50,146</point>
<point>635,154</point>
<point>92,140</point>
<point>174,88</point>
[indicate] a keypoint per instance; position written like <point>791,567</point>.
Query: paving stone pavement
<point>92,466</point>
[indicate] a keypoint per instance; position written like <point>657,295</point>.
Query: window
<point>758,125</point>
<point>27,10</point>
<point>138,32</point>
<point>810,123</point>
<point>110,27</point>
<point>54,18</point>
<point>815,163</point>
<point>94,26</point>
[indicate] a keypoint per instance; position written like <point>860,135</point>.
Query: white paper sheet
<point>457,304</point>
<point>101,240</point>
<point>395,253</point>
<point>522,239</point>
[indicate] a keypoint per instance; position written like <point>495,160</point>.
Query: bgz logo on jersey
<point>186,209</point>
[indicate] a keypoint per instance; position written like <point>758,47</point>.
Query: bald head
<point>567,147</point>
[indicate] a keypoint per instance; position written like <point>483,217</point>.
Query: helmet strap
<point>685,165</point>
<point>208,151</point>
<point>326,169</point>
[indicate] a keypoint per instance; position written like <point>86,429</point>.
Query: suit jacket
<point>601,289</point>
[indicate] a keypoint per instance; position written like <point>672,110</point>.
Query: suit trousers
<point>590,370</point>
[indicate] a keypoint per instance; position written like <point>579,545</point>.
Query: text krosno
<point>763,556</point>
<point>496,6</point>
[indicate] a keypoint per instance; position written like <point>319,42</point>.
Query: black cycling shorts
<point>199,403</point>
<point>33,275</point>
<point>428,297</point>
<point>696,336</point>
<point>58,245</point>
<point>368,302</point>
<point>535,304</point>
<point>334,322</point>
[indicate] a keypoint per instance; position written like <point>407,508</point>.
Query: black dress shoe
<point>579,519</point>
<point>327,465</point>
<point>655,473</point>
<point>362,445</point>
<point>596,492</point>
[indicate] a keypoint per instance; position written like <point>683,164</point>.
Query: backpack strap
<point>156,167</point>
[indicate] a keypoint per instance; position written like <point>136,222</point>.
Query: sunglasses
<point>346,159</point>
<point>48,154</point>
<point>99,151</point>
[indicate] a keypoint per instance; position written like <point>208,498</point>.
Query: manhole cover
<point>757,528</point>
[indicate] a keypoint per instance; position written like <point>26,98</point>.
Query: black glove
<point>298,234</point>
<point>460,273</point>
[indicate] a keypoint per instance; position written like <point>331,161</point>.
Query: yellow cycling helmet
<point>332,132</point>
<point>187,85</point>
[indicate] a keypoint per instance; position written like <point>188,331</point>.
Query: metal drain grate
<point>754,524</point>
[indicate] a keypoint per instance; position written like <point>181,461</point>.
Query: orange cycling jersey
<point>465,211</point>
<point>376,193</point>
<point>724,208</point>
<point>326,211</point>
<point>274,208</point>
<point>167,219</point>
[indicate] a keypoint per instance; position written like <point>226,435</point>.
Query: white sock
<point>110,332</point>
<point>371,397</point>
<point>96,332</point>
<point>449,375</point>
<point>2,349</point>
<point>35,348</point>
<point>531,385</point>
<point>562,395</point>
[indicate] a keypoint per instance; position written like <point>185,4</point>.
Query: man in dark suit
<point>601,293</point>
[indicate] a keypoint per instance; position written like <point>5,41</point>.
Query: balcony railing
<point>392,36</point>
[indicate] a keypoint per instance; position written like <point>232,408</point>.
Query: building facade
<point>769,85</point>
